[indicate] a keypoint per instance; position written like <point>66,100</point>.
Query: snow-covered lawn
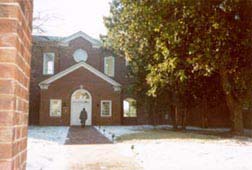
<point>156,149</point>
<point>45,148</point>
<point>119,131</point>
<point>152,148</point>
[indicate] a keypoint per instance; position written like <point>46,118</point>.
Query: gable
<point>44,84</point>
<point>95,43</point>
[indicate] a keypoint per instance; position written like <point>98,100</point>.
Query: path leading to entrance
<point>74,148</point>
<point>99,157</point>
<point>88,149</point>
<point>87,135</point>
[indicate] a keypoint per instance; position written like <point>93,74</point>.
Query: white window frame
<point>110,108</point>
<point>126,62</point>
<point>44,63</point>
<point>51,100</point>
<point>128,99</point>
<point>113,67</point>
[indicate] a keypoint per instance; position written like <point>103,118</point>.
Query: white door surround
<point>80,98</point>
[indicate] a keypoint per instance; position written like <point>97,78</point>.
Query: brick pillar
<point>15,43</point>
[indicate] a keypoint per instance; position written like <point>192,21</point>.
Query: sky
<point>65,17</point>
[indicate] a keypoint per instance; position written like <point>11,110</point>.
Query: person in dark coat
<point>83,117</point>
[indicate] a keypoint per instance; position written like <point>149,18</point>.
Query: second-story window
<point>126,62</point>
<point>48,63</point>
<point>109,66</point>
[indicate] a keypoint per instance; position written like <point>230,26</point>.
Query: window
<point>109,66</point>
<point>80,55</point>
<point>126,62</point>
<point>48,65</point>
<point>106,108</point>
<point>55,108</point>
<point>129,108</point>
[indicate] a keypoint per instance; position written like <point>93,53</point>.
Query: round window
<point>80,55</point>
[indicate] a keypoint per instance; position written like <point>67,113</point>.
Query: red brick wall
<point>15,42</point>
<point>63,60</point>
<point>63,89</point>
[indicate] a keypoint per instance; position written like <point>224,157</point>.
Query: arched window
<point>129,108</point>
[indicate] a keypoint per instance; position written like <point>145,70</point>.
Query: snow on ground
<point>118,131</point>
<point>47,152</point>
<point>108,131</point>
<point>45,148</point>
<point>183,154</point>
<point>186,155</point>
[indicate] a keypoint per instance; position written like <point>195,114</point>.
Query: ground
<point>136,147</point>
<point>63,148</point>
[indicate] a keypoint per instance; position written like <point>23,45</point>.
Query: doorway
<point>80,99</point>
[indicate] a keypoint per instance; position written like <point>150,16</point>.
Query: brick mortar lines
<point>13,158</point>
<point>23,21</point>
<point>20,24</point>
<point>18,54</point>
<point>16,4</point>
<point>21,42</point>
<point>15,141</point>
<point>20,154</point>
<point>17,66</point>
<point>12,127</point>
<point>15,81</point>
<point>16,111</point>
<point>16,96</point>
<point>17,34</point>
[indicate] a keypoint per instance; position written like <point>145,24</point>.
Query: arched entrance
<point>80,98</point>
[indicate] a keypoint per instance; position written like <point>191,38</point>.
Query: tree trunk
<point>174,116</point>
<point>184,118</point>
<point>236,115</point>
<point>204,118</point>
<point>235,108</point>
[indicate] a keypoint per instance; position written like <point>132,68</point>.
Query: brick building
<point>74,72</point>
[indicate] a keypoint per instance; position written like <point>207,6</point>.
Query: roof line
<point>75,67</point>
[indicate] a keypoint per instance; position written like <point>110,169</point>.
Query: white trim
<point>128,99</point>
<point>51,100</point>
<point>110,108</point>
<point>126,62</point>
<point>80,53</point>
<point>44,64</point>
<point>117,88</point>
<point>44,86</point>
<point>113,65</point>
<point>63,73</point>
<point>95,43</point>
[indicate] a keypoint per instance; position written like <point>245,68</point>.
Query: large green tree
<point>173,44</point>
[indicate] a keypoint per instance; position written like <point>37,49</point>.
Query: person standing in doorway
<point>83,117</point>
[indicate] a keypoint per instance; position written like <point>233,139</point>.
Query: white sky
<point>70,16</point>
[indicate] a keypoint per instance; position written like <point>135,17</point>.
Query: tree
<point>42,21</point>
<point>174,44</point>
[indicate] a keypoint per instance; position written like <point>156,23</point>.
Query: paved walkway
<point>87,135</point>
<point>87,149</point>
